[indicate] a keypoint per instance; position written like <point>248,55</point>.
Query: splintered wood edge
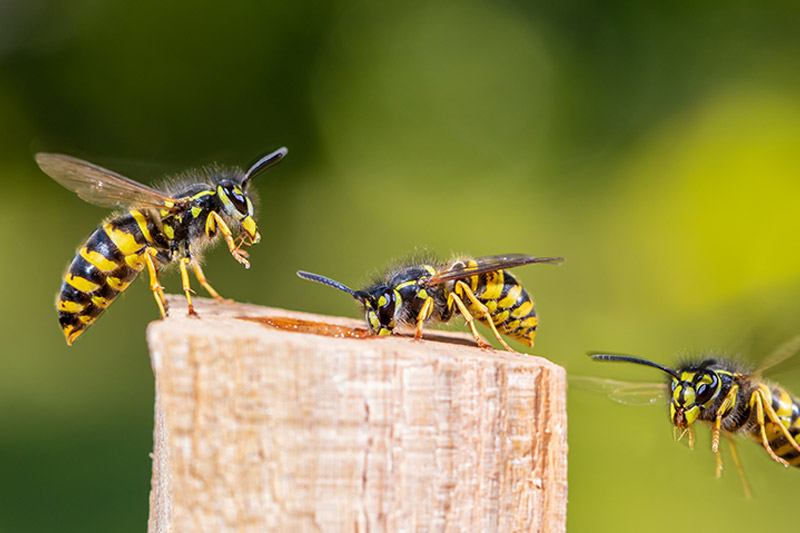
<point>232,312</point>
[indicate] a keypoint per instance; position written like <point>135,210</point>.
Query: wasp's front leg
<point>215,221</point>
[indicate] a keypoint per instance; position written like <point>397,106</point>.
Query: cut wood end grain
<point>263,429</point>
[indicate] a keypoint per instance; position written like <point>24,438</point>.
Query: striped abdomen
<point>509,304</point>
<point>104,267</point>
<point>788,410</point>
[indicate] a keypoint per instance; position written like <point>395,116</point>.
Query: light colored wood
<point>259,429</point>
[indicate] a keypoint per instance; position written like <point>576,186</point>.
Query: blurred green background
<point>654,145</point>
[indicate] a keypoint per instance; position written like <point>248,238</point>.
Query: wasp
<point>482,288</point>
<point>728,397</point>
<point>157,228</point>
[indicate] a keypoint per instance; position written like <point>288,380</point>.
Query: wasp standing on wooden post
<point>159,228</point>
<point>730,399</point>
<point>476,288</point>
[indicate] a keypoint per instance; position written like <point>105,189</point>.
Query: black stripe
<point>101,243</point>
<point>69,319</point>
<point>107,292</point>
<point>92,311</point>
<point>71,294</point>
<point>82,268</point>
<point>125,273</point>
<point>127,224</point>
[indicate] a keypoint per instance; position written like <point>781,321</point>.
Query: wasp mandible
<point>158,227</point>
<point>428,291</point>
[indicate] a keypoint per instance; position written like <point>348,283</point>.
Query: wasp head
<point>382,304</point>
<point>235,202</point>
<point>239,207</point>
<point>692,392</point>
<point>382,308</point>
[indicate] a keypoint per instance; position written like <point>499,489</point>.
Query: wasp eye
<point>706,390</point>
<point>386,305</point>
<point>235,195</point>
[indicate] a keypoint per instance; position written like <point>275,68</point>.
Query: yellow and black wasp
<point>158,228</point>
<point>429,291</point>
<point>728,397</point>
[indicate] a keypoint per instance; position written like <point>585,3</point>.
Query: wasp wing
<point>490,263</point>
<point>100,186</point>
<point>627,392</point>
<point>782,353</point>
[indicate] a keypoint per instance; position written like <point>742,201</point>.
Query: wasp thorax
<point>691,394</point>
<point>382,306</point>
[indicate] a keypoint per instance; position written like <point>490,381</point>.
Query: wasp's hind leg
<point>487,317</point>
<point>759,401</point>
<point>201,277</point>
<point>735,457</point>
<point>155,285</point>
<point>453,298</point>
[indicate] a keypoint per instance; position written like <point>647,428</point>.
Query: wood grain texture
<point>259,429</point>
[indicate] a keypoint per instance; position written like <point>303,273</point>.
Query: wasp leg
<point>155,285</point>
<point>215,221</point>
<point>424,313</point>
<point>772,415</point>
<point>484,313</point>
<point>735,457</point>
<point>453,297</point>
<point>758,399</point>
<point>724,407</point>
<point>187,289</point>
<point>201,277</point>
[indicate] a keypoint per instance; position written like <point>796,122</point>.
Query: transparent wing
<point>627,392</point>
<point>782,353</point>
<point>490,263</point>
<point>100,186</point>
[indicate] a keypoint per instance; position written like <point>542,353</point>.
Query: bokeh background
<point>654,145</point>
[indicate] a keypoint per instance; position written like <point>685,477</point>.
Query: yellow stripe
<point>523,310</point>
<point>71,334</point>
<point>116,283</point>
<point>500,317</point>
<point>530,322</point>
<point>795,461</point>
<point>82,284</point>
<point>169,231</point>
<point>494,286</point>
<point>124,241</point>
<point>511,297</point>
<point>196,211</point>
<point>70,307</point>
<point>86,319</point>
<point>142,221</point>
<point>101,302</point>
<point>201,194</point>
<point>98,260</point>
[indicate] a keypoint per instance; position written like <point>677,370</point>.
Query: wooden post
<point>265,429</point>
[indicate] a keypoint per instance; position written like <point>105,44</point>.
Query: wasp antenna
<point>631,359</point>
<point>264,163</point>
<point>326,281</point>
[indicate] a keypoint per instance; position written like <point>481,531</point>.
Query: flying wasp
<point>728,397</point>
<point>482,288</point>
<point>158,227</point>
